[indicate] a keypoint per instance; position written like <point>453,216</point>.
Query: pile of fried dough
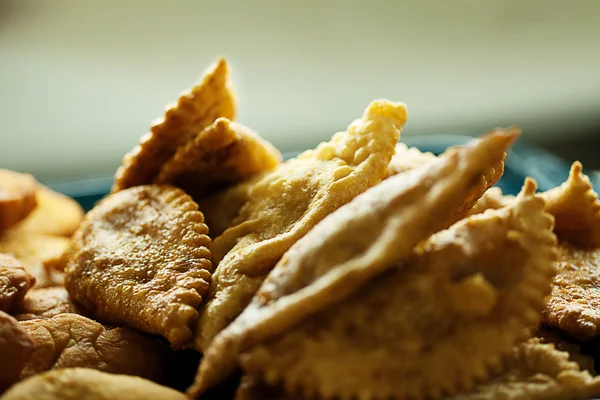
<point>360,269</point>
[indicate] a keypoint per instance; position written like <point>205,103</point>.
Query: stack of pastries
<point>360,269</point>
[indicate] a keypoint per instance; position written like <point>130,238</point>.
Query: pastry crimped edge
<point>575,199</point>
<point>534,286</point>
<point>472,162</point>
<point>198,247</point>
<point>140,166</point>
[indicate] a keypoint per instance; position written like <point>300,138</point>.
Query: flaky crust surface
<point>574,303</point>
<point>141,258</point>
<point>71,340</point>
<point>16,347</point>
<point>287,202</point>
<point>40,303</point>
<point>17,197</point>
<point>55,214</point>
<point>537,371</point>
<point>574,306</point>
<point>462,300</point>
<point>14,283</point>
<point>350,246</point>
<point>89,384</point>
<point>37,252</point>
<point>222,154</point>
<point>199,107</point>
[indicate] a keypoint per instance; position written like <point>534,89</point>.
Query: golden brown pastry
<point>141,258</point>
<point>88,384</point>
<point>17,197</point>
<point>576,209</point>
<point>55,214</point>
<point>16,347</point>
<point>537,371</point>
<point>287,202</point>
<point>253,388</point>
<point>436,323</point>
<point>195,110</point>
<point>407,158</point>
<point>492,199</point>
<point>547,335</point>
<point>14,283</point>
<point>221,208</point>
<point>71,340</point>
<point>574,304</point>
<point>353,244</point>
<point>222,154</point>
<point>47,302</point>
<point>37,252</point>
<point>487,178</point>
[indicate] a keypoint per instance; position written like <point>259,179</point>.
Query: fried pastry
<point>574,304</point>
<point>407,158</point>
<point>547,335</point>
<point>71,340</point>
<point>141,258</point>
<point>194,111</point>
<point>287,202</point>
<point>46,302</point>
<point>16,347</point>
<point>17,197</point>
<point>221,208</point>
<point>492,199</point>
<point>253,388</point>
<point>353,244</point>
<point>537,371</point>
<point>576,209</point>
<point>14,283</point>
<point>223,154</point>
<point>55,214</point>
<point>463,299</point>
<point>89,384</point>
<point>486,180</point>
<point>36,251</point>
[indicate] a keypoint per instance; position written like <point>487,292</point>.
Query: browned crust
<point>573,305</point>
<point>17,197</point>
<point>72,340</point>
<point>16,347</point>
<point>352,245</point>
<point>141,258</point>
<point>463,300</point>
<point>194,110</point>
<point>287,202</point>
<point>14,283</point>
<point>47,302</point>
<point>222,154</point>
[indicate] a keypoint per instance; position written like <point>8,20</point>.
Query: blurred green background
<point>80,81</point>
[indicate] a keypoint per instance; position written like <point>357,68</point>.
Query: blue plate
<point>522,161</point>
